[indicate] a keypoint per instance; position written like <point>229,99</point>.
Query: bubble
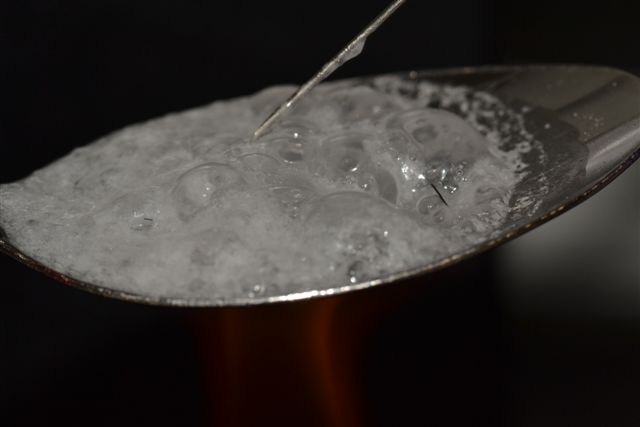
<point>401,144</point>
<point>440,133</point>
<point>425,133</point>
<point>432,210</point>
<point>343,155</point>
<point>290,150</point>
<point>348,164</point>
<point>197,187</point>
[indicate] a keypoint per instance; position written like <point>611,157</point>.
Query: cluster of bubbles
<point>413,160</point>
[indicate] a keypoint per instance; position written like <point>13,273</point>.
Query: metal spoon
<point>586,119</point>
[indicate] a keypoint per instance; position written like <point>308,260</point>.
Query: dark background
<point>544,331</point>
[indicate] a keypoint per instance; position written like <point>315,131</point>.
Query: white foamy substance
<point>340,192</point>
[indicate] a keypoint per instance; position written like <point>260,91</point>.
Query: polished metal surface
<point>348,52</point>
<point>587,122</point>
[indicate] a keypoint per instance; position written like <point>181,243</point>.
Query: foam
<point>340,192</point>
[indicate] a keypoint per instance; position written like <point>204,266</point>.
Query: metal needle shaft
<point>347,53</point>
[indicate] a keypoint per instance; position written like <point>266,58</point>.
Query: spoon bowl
<point>586,124</point>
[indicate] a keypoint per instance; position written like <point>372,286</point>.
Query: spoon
<point>587,123</point>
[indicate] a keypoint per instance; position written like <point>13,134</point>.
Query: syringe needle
<point>348,52</point>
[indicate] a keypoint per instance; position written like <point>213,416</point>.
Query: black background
<point>457,354</point>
